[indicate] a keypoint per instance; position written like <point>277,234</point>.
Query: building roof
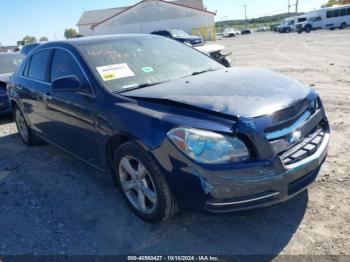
<point>96,17</point>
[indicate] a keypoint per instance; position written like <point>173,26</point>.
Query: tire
<point>308,29</point>
<point>25,132</point>
<point>342,26</point>
<point>288,30</point>
<point>300,31</point>
<point>158,204</point>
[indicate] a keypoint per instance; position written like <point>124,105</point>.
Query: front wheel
<point>308,29</point>
<point>342,26</point>
<point>143,184</point>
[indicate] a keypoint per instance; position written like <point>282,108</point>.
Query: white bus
<point>330,18</point>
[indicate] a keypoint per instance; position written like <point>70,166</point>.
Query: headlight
<point>209,147</point>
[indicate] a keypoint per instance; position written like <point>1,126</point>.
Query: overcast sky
<point>49,18</point>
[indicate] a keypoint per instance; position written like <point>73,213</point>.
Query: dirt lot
<point>51,203</point>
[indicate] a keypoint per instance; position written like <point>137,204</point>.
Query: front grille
<point>306,148</point>
<point>298,137</point>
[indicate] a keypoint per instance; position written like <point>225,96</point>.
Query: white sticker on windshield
<point>117,71</point>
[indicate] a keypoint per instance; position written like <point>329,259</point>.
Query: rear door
<point>72,113</point>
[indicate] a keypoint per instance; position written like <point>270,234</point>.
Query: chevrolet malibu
<point>172,127</point>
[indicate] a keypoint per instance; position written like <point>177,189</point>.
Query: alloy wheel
<point>22,125</point>
<point>137,184</point>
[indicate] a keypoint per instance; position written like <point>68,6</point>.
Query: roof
<point>96,17</point>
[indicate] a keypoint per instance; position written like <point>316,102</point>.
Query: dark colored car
<point>29,47</point>
<point>246,31</point>
<point>172,127</point>
<point>180,36</point>
<point>8,64</point>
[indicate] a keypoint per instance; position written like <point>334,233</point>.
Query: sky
<point>49,18</point>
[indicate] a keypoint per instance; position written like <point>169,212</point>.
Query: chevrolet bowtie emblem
<point>295,137</point>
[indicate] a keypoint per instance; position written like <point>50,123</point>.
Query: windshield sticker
<point>147,69</point>
<point>117,71</point>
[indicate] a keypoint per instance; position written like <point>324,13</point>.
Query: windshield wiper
<point>133,87</point>
<point>203,71</point>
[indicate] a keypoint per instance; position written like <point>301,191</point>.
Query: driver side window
<point>63,64</point>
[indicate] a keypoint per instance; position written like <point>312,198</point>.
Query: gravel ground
<point>52,204</point>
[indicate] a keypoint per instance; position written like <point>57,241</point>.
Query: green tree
<point>29,39</point>
<point>336,2</point>
<point>70,33</point>
<point>43,39</point>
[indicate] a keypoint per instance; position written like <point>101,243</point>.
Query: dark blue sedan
<point>172,127</point>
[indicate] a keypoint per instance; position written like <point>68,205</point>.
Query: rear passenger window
<point>63,64</point>
<point>348,11</point>
<point>329,14</point>
<point>38,65</point>
<point>336,13</point>
<point>342,12</point>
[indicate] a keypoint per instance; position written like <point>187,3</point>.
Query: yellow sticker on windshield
<point>117,71</point>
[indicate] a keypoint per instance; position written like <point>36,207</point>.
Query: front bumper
<point>228,188</point>
<point>273,188</point>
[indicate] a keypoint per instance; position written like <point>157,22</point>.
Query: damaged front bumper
<point>228,188</point>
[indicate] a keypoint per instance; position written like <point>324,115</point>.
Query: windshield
<point>178,33</point>
<point>10,62</point>
<point>130,63</point>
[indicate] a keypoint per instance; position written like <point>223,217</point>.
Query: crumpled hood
<point>235,91</point>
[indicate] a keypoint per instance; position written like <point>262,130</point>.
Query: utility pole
<point>296,6</point>
<point>288,6</point>
<point>245,14</point>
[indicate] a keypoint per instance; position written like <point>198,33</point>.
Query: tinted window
<point>329,14</point>
<point>348,11</point>
<point>342,12</point>
<point>336,13</point>
<point>63,64</point>
<point>38,65</point>
<point>10,62</point>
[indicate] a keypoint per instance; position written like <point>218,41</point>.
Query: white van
<point>331,18</point>
<point>289,24</point>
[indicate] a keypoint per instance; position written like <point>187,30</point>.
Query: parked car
<point>8,64</point>
<point>229,32</point>
<point>180,36</point>
<point>261,28</point>
<point>173,128</point>
<point>312,23</point>
<point>25,50</point>
<point>216,52</point>
<point>246,31</point>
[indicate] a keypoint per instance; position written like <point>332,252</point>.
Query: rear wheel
<point>342,26</point>
<point>142,184</point>
<point>308,28</point>
<point>25,132</point>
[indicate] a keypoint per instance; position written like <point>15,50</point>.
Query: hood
<point>207,49</point>
<point>189,38</point>
<point>235,91</point>
<point>5,77</point>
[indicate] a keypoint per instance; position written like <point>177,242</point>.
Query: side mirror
<point>67,84</point>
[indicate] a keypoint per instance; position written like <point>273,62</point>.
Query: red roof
<point>163,1</point>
